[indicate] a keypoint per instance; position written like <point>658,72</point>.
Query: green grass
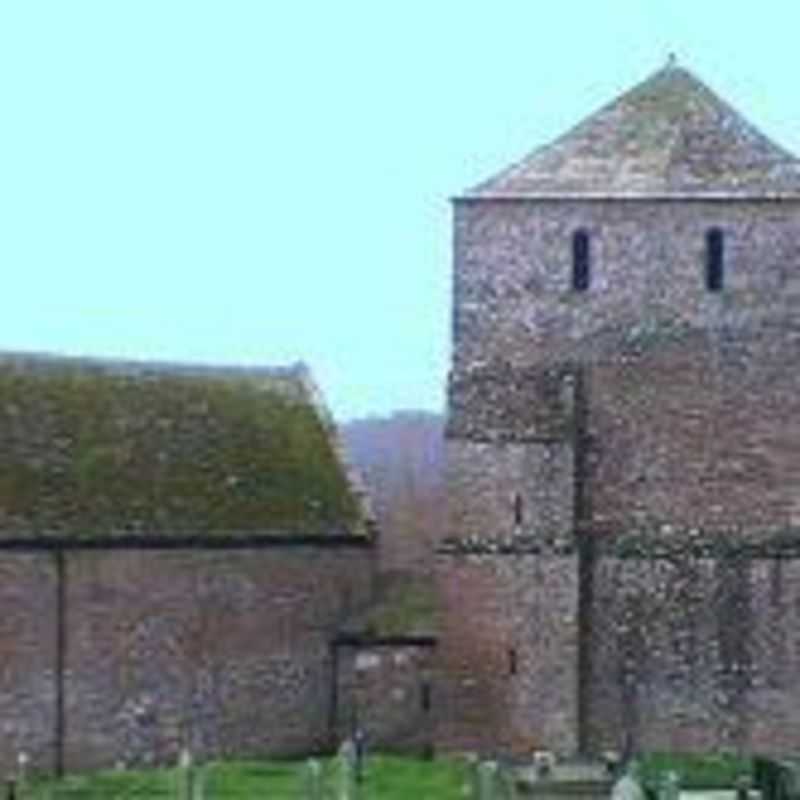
<point>385,778</point>
<point>695,771</point>
<point>393,778</point>
<point>151,784</point>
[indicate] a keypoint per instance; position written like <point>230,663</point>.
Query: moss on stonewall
<point>405,606</point>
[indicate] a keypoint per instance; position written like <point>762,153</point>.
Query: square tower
<point>625,353</point>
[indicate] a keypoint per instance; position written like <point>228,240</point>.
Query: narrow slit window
<point>518,509</point>
<point>425,696</point>
<point>715,260</point>
<point>512,661</point>
<point>581,261</point>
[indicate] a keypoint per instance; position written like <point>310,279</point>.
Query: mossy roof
<point>97,448</point>
<point>668,136</point>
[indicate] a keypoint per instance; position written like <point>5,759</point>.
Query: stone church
<point>184,551</point>
<point>187,558</point>
<point>621,563</point>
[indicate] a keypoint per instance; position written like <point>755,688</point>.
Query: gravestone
<point>628,786</point>
<point>313,780</point>
<point>486,780</point>
<point>669,787</point>
<point>345,763</point>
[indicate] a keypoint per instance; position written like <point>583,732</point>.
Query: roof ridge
<point>670,133</point>
<point>542,149</point>
<point>110,364</point>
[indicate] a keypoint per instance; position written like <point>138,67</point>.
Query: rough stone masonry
<point>179,548</point>
<point>621,561</point>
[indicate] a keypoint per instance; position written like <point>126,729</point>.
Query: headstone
<point>611,761</point>
<point>744,783</point>
<point>185,775</point>
<point>347,752</point>
<point>487,775</point>
<point>23,765</point>
<point>313,780</point>
<point>185,758</point>
<point>198,784</point>
<point>508,783</point>
<point>543,761</point>
<point>345,789</point>
<point>669,788</point>
<point>628,787</point>
<point>23,762</point>
<point>472,788</point>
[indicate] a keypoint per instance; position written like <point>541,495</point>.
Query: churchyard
<point>385,777</point>
<point>335,778</point>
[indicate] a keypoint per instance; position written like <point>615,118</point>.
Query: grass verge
<point>385,778</point>
<point>696,770</point>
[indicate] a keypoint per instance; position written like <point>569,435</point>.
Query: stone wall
<point>387,690</point>
<point>645,403</point>
<point>511,453</point>
<point>227,650</point>
<point>695,653</point>
<point>28,646</point>
<point>688,396</point>
<point>508,661</point>
<point>698,428</point>
<point>686,651</point>
<point>513,300</point>
<point>505,489</point>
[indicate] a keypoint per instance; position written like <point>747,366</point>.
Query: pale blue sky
<point>247,181</point>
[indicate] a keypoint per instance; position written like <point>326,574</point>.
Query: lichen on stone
<point>92,450</point>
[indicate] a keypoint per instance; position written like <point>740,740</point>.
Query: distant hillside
<point>401,458</point>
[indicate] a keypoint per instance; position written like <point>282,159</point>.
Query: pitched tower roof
<point>668,136</point>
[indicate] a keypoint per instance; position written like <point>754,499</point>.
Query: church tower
<point>625,332</point>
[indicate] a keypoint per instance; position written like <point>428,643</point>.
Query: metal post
<point>359,741</point>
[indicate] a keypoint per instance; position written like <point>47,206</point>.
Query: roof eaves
<point>714,196</point>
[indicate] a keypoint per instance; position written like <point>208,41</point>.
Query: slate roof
<point>668,136</point>
<point>97,448</point>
